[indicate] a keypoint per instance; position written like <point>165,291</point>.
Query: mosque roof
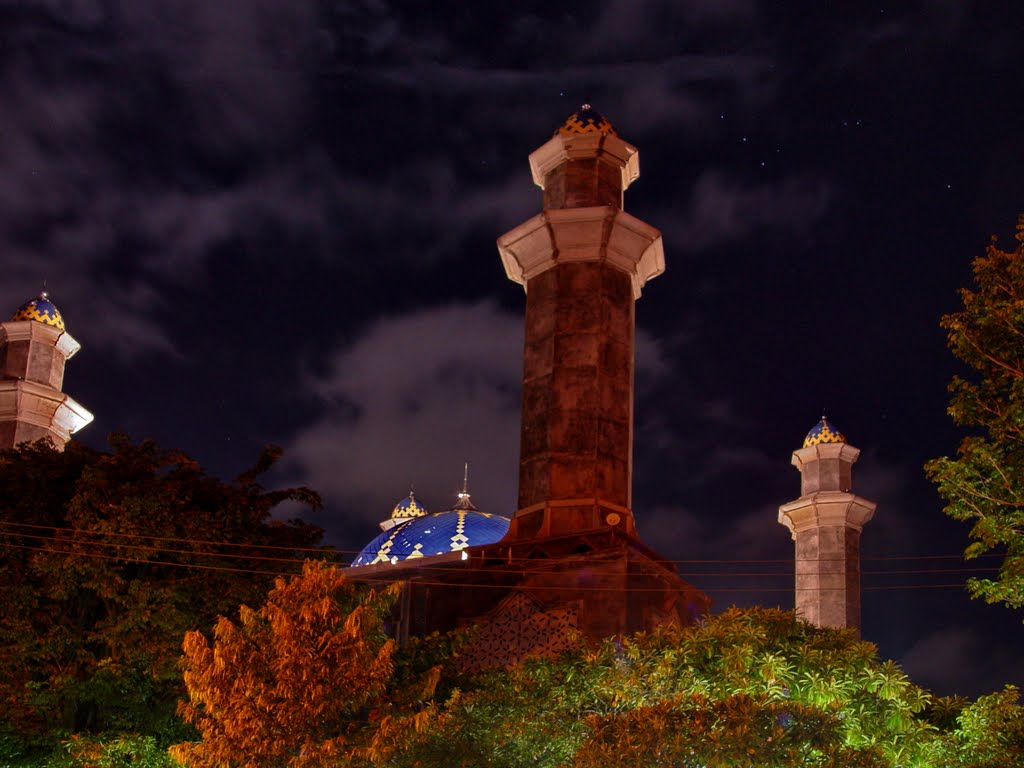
<point>586,119</point>
<point>42,310</point>
<point>434,533</point>
<point>823,432</point>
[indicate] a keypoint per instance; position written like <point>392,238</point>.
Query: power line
<point>167,538</point>
<point>426,582</point>
<point>329,550</point>
<point>145,562</point>
<point>161,550</point>
<point>541,566</point>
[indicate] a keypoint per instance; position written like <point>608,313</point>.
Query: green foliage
<point>105,562</point>
<point>117,751</point>
<point>984,484</point>
<point>739,730</point>
<point>754,687</point>
<point>988,733</point>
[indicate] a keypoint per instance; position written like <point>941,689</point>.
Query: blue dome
<point>823,432</point>
<point>434,534</point>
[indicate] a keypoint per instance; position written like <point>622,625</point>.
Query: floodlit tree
<point>984,484</point>
<point>306,681</point>
<point>752,687</point>
<point>106,560</point>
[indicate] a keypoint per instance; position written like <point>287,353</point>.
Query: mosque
<point>569,561</point>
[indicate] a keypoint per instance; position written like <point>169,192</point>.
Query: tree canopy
<point>984,484</point>
<point>308,680</point>
<point>751,687</point>
<point>106,559</point>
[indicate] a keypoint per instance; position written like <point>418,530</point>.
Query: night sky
<point>273,221</point>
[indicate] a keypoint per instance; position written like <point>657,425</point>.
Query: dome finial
<point>464,502</point>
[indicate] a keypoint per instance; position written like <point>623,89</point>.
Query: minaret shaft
<point>577,388</point>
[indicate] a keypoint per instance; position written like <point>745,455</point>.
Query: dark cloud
<point>959,659</point>
<point>724,208</point>
<point>409,402</point>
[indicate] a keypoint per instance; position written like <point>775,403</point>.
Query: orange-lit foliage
<point>301,682</point>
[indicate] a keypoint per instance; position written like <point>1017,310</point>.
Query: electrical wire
<point>428,582</point>
<point>541,567</point>
<point>331,551</point>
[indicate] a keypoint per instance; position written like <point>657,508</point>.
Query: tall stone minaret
<point>826,522</point>
<point>582,262</point>
<point>34,347</point>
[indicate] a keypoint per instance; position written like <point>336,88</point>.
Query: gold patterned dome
<point>408,508</point>
<point>586,119</point>
<point>42,310</point>
<point>823,432</point>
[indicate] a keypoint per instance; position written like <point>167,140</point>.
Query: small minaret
<point>582,263</point>
<point>826,522</point>
<point>34,346</point>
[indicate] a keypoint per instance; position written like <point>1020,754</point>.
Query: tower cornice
<point>606,148</point>
<point>597,233</point>
<point>27,402</point>
<point>827,508</point>
<point>30,330</point>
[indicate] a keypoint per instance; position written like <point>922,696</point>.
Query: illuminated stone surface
<point>34,348</point>
<point>826,523</point>
<point>583,262</point>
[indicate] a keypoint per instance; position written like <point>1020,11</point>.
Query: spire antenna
<point>464,501</point>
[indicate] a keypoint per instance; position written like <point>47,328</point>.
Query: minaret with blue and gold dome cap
<point>570,565</point>
<point>826,523</point>
<point>582,262</point>
<point>34,347</point>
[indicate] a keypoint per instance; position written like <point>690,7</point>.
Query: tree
<point>747,687</point>
<point>306,681</point>
<point>106,560</point>
<point>984,484</point>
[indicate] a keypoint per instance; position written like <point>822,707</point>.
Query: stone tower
<point>826,523</point>
<point>569,564</point>
<point>582,263</point>
<point>34,346</point>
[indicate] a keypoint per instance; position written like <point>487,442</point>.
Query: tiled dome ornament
<point>823,432</point>
<point>586,120</point>
<point>42,310</point>
<point>408,508</point>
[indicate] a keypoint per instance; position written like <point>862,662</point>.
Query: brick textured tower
<point>826,523</point>
<point>571,564</point>
<point>582,262</point>
<point>34,346</point>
